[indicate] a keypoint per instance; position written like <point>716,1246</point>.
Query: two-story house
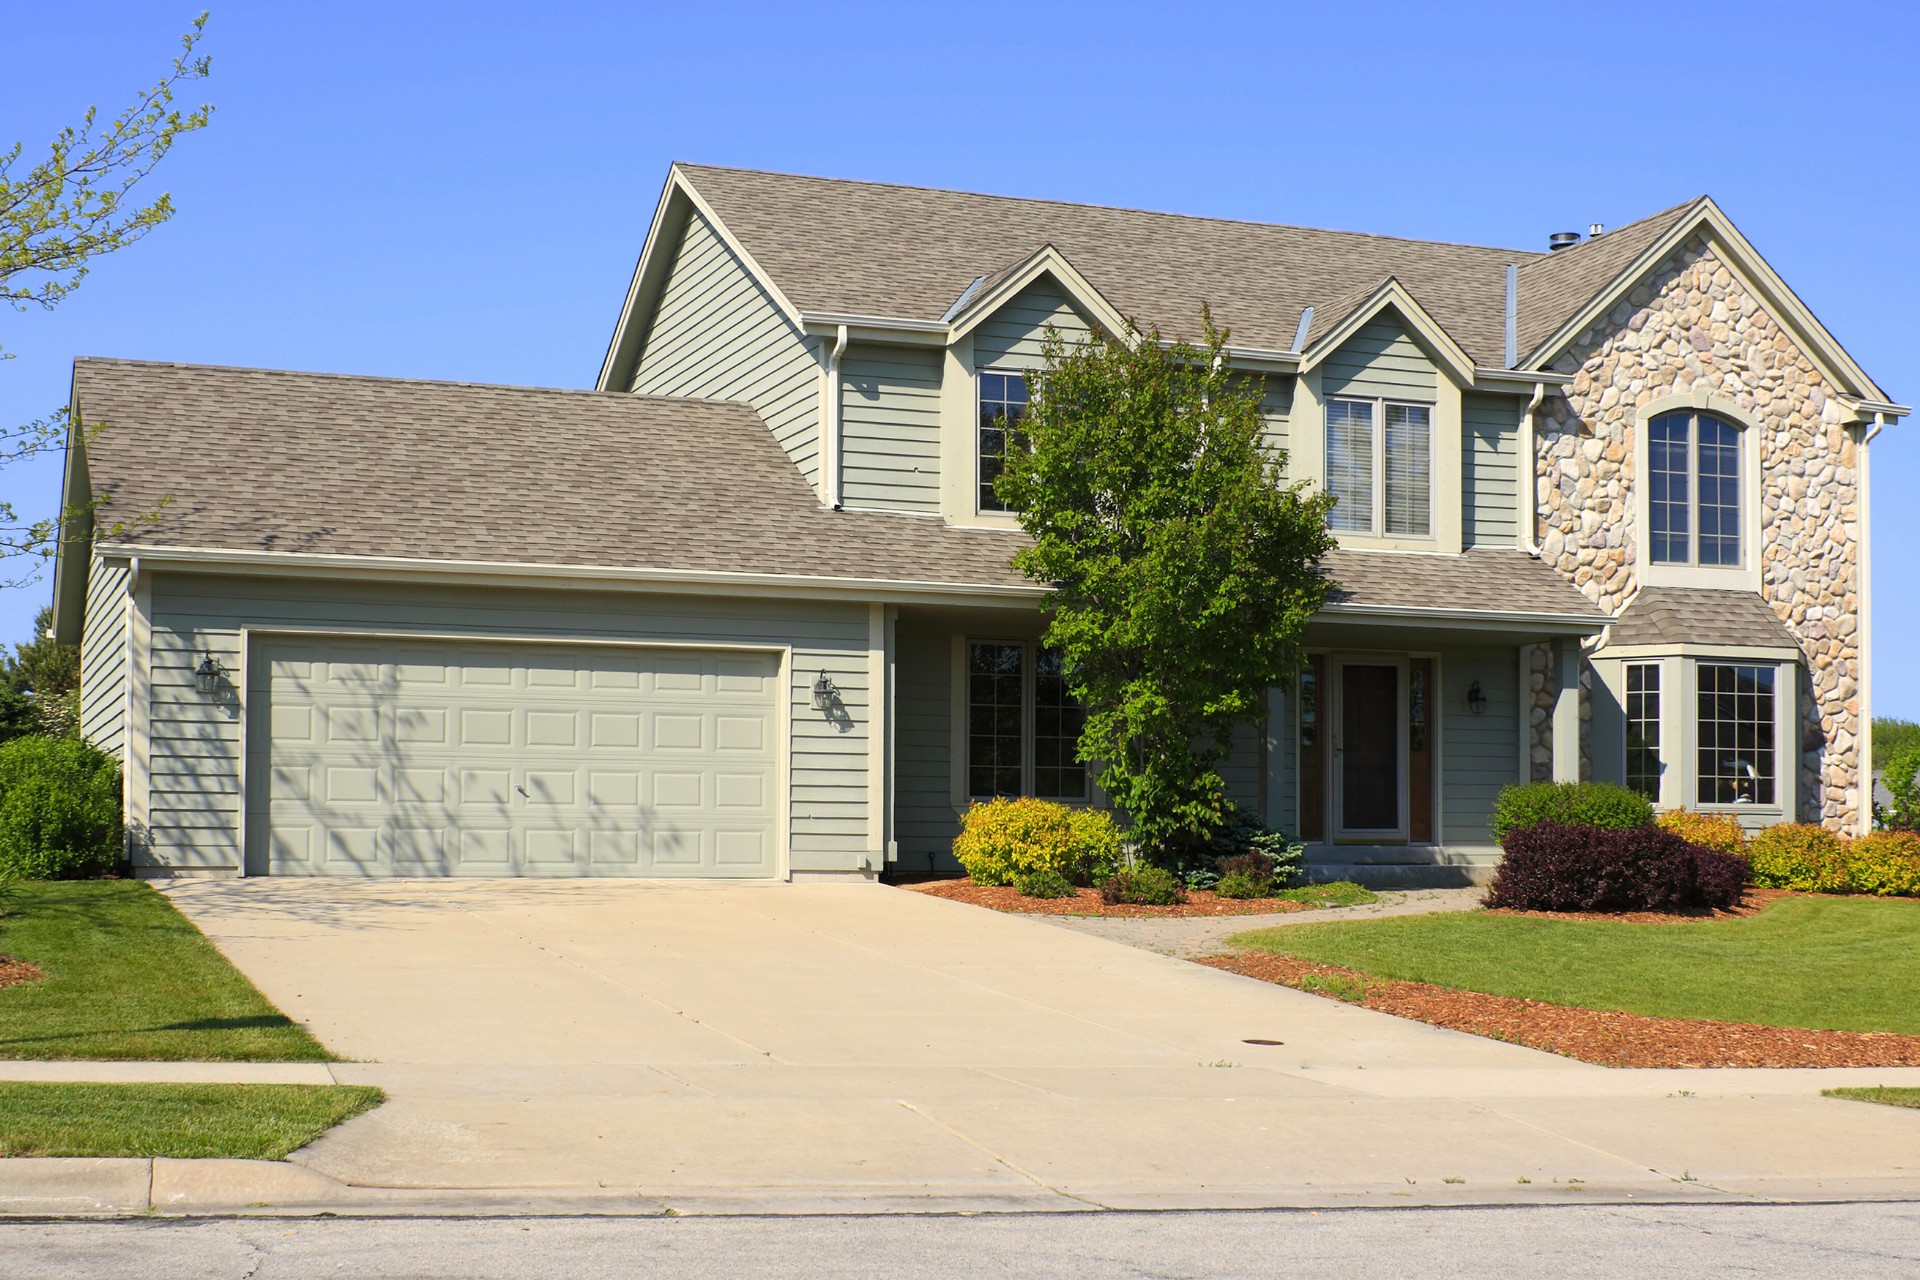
<point>746,609</point>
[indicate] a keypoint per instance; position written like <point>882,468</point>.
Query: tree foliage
<point>74,206</point>
<point>40,685</point>
<point>1183,569</point>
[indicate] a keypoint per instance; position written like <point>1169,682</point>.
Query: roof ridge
<point>1576,252</point>
<point>685,165</point>
<point>398,379</point>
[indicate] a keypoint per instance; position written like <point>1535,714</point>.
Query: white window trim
<point>1742,577</point>
<point>974,438</point>
<point>961,740</point>
<point>1378,406</point>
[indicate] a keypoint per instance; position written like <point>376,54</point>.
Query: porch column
<point>1566,709</point>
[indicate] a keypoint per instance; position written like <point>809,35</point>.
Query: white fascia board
<point>647,250</point>
<point>1047,260</point>
<point>1753,271</point>
<point>1519,380</point>
<point>1689,649</point>
<point>579,577</point>
<point>1470,619</point>
<point>1392,294</point>
<point>893,329</point>
<point>1869,408</point>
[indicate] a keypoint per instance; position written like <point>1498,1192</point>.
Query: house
<point>746,610</point>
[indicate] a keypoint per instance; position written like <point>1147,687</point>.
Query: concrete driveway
<point>789,1046</point>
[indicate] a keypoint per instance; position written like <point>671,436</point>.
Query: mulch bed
<point>13,972</point>
<point>1086,902</point>
<point>1751,903</point>
<point>1591,1035</point>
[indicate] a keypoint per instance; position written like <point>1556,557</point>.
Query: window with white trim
<point>1735,734</point>
<point>1643,728</point>
<point>1693,490</point>
<point>1023,724</point>
<point>1380,467</point>
<point>1003,403</point>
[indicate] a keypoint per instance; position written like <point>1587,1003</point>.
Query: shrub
<point>1246,834</point>
<point>1043,882</point>
<point>1720,831</point>
<point>1886,863</point>
<point>1003,838</point>
<point>1145,885</point>
<point>1898,772</point>
<point>1552,867</point>
<point>1238,884</point>
<point>59,809</point>
<point>1798,855</point>
<point>1569,804</point>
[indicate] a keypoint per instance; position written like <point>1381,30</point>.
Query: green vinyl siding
<point>195,739</point>
<point>924,818</point>
<point>1380,360</point>
<point>1014,336</point>
<point>1245,763</point>
<point>1479,754</point>
<point>103,659</point>
<point>717,335</point>
<point>890,411</point>
<point>1489,447</point>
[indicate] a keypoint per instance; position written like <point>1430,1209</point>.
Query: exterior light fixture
<point>824,693</point>
<point>1476,699</point>
<point>206,676</point>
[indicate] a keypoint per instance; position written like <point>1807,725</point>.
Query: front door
<point>1370,749</point>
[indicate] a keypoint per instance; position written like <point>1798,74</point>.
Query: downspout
<point>1530,480</point>
<point>830,424</point>
<point>1863,732</point>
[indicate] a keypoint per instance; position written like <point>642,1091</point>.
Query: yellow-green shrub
<point>1886,863</point>
<point>1720,831</point>
<point>1800,856</point>
<point>1002,839</point>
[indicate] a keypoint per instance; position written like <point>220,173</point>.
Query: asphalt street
<point>1803,1241</point>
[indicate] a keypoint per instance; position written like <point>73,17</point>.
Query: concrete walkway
<point>632,1046</point>
<point>1192,936</point>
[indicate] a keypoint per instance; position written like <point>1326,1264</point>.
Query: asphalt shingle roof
<point>866,248</point>
<point>1694,615</point>
<point>263,460</point>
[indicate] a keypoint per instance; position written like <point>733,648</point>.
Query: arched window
<point>1693,489</point>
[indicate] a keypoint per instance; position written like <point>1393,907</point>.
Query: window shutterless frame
<point>1006,391</point>
<point>1031,658</point>
<point>1380,413</point>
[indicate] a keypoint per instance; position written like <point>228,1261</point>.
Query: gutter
<point>830,424</point>
<point>1863,730</point>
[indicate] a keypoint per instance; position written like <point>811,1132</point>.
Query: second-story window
<point>1380,467</point>
<point>1003,403</point>
<point>1693,490</point>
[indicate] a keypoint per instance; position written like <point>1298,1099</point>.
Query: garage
<point>454,757</point>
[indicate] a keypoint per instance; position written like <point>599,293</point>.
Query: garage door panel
<point>442,758</point>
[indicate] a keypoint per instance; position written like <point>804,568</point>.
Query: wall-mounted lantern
<point>1476,699</point>
<point>824,693</point>
<point>206,676</point>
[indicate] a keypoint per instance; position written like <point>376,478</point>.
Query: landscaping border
<point>1087,902</point>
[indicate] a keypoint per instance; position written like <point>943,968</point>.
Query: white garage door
<point>429,758</point>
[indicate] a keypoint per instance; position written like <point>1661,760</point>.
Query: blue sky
<point>460,190</point>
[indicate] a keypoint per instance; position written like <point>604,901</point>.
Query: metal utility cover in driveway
<point>449,757</point>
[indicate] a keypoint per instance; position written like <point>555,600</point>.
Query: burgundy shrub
<point>1549,867</point>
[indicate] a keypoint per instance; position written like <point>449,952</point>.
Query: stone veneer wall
<point>1690,320</point>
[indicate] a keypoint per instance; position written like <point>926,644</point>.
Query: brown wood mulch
<point>1086,902</point>
<point>1592,1035</point>
<point>14,972</point>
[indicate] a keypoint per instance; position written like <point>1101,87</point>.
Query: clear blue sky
<point>459,190</point>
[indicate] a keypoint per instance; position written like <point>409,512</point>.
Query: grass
<point>1335,893</point>
<point>1848,964</point>
<point>129,977</point>
<point>188,1121</point>
<point>1884,1094</point>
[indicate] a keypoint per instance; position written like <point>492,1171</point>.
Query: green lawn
<point>1850,964</point>
<point>127,976</point>
<point>1891,1097</point>
<point>235,1121</point>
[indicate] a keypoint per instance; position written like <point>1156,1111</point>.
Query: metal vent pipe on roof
<point>1562,240</point>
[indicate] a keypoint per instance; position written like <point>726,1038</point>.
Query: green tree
<point>1183,569</point>
<point>1891,736</point>
<point>70,208</point>
<point>40,685</point>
